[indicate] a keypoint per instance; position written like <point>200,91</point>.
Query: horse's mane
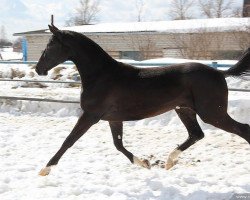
<point>82,40</point>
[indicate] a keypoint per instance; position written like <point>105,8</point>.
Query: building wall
<point>36,44</point>
<point>155,45</point>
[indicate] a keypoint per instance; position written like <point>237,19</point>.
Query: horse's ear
<point>53,29</point>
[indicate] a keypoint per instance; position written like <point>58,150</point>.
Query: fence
<point>212,64</point>
<point>135,63</point>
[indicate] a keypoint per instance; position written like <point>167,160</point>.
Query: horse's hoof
<point>45,171</point>
<point>172,159</point>
<point>146,164</point>
<point>169,165</point>
<point>143,163</point>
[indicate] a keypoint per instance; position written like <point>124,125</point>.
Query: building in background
<point>222,38</point>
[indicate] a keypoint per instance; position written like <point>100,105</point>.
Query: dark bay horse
<point>117,92</point>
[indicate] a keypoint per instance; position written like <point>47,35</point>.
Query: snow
<point>180,26</point>
<point>31,132</point>
<point>169,61</point>
<point>9,54</point>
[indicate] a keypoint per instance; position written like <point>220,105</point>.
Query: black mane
<point>82,41</point>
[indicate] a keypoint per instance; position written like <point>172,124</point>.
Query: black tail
<point>241,68</point>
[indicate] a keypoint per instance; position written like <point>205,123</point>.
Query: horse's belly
<point>137,111</point>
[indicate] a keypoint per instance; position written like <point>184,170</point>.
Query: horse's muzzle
<point>41,72</point>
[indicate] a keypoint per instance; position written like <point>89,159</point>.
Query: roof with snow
<point>176,26</point>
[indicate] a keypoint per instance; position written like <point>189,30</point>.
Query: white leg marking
<point>119,137</point>
<point>172,159</point>
<point>178,107</point>
<point>143,163</point>
<point>45,171</point>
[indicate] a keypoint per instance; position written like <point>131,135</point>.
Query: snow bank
<point>9,54</point>
<point>175,26</point>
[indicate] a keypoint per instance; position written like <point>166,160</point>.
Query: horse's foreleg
<point>82,125</point>
<point>188,117</point>
<point>117,133</point>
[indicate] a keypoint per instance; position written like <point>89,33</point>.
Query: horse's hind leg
<point>188,117</point>
<point>226,123</point>
<point>212,106</point>
<point>117,133</point>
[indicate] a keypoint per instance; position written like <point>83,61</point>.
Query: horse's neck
<point>91,60</point>
<point>93,67</point>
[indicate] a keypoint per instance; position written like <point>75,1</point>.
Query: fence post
<point>24,49</point>
<point>214,64</point>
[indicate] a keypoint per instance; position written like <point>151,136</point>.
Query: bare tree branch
<point>242,37</point>
<point>2,33</point>
<point>217,8</point>
<point>180,9</point>
<point>202,44</point>
<point>3,37</point>
<point>86,13</point>
<point>140,5</point>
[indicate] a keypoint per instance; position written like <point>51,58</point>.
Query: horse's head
<point>55,53</point>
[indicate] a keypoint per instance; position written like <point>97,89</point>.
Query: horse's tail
<point>241,68</point>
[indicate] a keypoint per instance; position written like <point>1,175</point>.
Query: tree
<point>199,44</point>
<point>217,8</point>
<point>85,14</point>
<point>3,33</point>
<point>140,5</point>
<point>181,9</point>
<point>17,45</point>
<point>242,37</point>
<point>237,12</point>
<point>3,38</point>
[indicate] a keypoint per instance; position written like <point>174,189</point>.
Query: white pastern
<point>172,159</point>
<point>143,163</point>
<point>45,171</point>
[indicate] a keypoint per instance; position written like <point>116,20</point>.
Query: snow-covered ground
<point>31,132</point>
<point>9,54</point>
